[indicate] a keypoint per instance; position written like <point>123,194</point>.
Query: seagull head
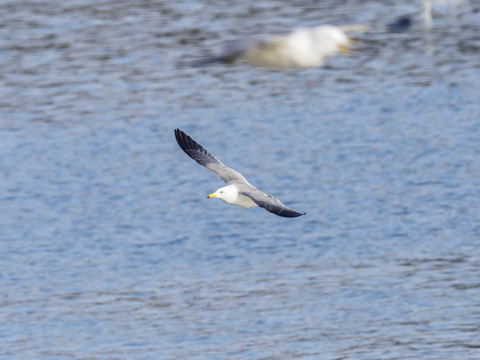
<point>331,39</point>
<point>227,193</point>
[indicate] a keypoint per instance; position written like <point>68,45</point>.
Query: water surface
<point>109,249</point>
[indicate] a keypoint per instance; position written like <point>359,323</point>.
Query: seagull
<point>301,48</point>
<point>238,190</point>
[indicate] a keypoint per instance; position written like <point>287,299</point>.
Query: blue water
<point>109,249</point>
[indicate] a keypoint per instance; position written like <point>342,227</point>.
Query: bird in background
<point>238,190</point>
<point>401,24</point>
<point>301,48</point>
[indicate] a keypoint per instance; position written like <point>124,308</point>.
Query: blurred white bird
<point>302,48</point>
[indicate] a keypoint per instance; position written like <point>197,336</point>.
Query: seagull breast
<point>230,194</point>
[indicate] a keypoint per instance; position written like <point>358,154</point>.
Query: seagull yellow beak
<point>344,49</point>
<point>211,196</point>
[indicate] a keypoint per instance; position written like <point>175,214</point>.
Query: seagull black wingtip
<point>291,214</point>
<point>178,134</point>
<point>299,214</point>
<point>183,139</point>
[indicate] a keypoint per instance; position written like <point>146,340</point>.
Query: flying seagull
<point>238,190</point>
<point>301,48</point>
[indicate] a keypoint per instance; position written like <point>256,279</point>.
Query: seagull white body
<point>238,190</point>
<point>230,194</point>
<point>302,48</point>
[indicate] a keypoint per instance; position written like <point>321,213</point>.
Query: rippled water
<point>109,249</point>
